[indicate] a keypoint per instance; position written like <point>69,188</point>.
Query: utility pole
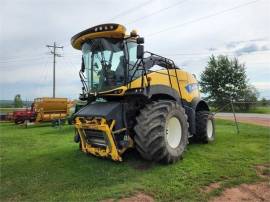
<point>55,54</point>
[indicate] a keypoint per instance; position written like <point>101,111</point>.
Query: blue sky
<point>187,31</point>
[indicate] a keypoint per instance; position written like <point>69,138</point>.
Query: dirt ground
<point>252,120</point>
<point>139,197</point>
<point>246,192</point>
<point>258,192</point>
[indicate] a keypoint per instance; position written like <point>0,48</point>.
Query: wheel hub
<point>209,128</point>
<point>173,132</point>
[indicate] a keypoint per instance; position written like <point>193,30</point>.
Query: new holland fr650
<point>136,99</point>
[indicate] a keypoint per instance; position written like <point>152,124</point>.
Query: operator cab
<point>111,59</point>
<point>108,54</point>
<point>105,62</point>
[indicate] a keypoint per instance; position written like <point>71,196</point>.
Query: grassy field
<point>5,110</point>
<point>260,110</point>
<point>42,163</point>
<point>257,109</point>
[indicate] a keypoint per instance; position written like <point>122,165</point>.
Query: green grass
<point>5,110</point>
<point>260,110</point>
<point>42,163</point>
<point>257,109</point>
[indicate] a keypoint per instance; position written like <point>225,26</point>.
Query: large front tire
<point>162,132</point>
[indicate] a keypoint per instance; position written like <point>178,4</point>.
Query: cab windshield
<point>104,62</point>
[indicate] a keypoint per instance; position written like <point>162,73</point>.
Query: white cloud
<point>262,85</point>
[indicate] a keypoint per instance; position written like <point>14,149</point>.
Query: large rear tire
<point>205,127</point>
<point>161,131</point>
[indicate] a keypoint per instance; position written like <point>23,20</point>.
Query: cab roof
<point>110,30</point>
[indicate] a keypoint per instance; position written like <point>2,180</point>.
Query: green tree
<point>224,79</point>
<point>264,101</point>
<point>18,101</point>
<point>250,98</point>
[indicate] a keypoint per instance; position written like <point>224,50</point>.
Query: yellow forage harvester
<point>135,99</point>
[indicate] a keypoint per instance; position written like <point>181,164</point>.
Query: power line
<point>45,72</point>
<point>202,18</point>
<point>55,54</point>
<point>156,12</point>
<point>258,63</point>
<point>77,55</point>
<point>205,56</point>
<point>22,59</point>
<point>43,75</point>
<point>130,10</point>
<point>218,52</point>
<point>69,62</point>
<point>25,54</point>
<point>179,25</point>
<point>191,53</point>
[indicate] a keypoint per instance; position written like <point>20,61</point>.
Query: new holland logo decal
<point>191,87</point>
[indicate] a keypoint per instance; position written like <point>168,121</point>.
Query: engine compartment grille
<point>96,138</point>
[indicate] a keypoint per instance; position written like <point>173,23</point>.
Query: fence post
<point>237,128</point>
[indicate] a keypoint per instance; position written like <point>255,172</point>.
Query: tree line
<point>225,80</point>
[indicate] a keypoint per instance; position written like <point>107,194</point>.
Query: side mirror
<point>82,65</point>
<point>140,51</point>
<point>140,40</point>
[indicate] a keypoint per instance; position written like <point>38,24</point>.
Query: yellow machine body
<point>161,78</point>
<point>108,31</point>
<point>182,82</point>
<point>101,124</point>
